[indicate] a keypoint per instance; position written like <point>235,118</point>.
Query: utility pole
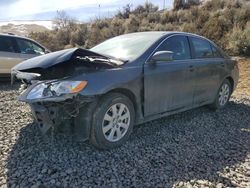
<point>99,7</point>
<point>163,4</point>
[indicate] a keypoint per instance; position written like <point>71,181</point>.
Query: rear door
<point>9,56</point>
<point>169,85</point>
<point>207,65</point>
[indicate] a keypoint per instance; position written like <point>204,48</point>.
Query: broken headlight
<point>54,89</point>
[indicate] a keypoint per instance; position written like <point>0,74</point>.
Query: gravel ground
<point>198,148</point>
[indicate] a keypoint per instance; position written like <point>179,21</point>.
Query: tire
<point>224,90</point>
<point>112,122</point>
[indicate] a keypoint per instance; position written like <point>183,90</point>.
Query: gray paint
<point>160,89</point>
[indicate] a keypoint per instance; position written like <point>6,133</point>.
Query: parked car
<point>15,49</point>
<point>127,80</point>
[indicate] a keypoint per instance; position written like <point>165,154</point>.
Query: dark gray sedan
<point>127,80</point>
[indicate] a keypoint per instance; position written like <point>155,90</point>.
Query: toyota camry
<point>124,81</point>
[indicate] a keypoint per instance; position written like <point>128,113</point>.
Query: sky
<point>82,10</point>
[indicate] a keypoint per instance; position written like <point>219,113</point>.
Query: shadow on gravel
<point>191,145</point>
<point>6,85</point>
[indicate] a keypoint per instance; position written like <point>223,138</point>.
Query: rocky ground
<point>198,148</point>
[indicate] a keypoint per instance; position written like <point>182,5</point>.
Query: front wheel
<point>223,95</point>
<point>113,121</point>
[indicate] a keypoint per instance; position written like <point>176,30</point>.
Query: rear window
<point>202,48</point>
<point>216,52</point>
<point>6,45</point>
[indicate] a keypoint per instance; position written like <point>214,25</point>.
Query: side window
<point>7,45</point>
<point>216,53</point>
<point>178,45</point>
<point>28,47</point>
<point>202,48</point>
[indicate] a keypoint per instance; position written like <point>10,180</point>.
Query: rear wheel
<point>223,95</point>
<point>113,121</point>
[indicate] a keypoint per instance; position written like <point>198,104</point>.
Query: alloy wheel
<point>116,122</point>
<point>224,94</point>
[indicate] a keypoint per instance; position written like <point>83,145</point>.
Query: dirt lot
<point>198,148</point>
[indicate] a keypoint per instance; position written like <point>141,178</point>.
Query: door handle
<point>222,64</point>
<point>191,68</point>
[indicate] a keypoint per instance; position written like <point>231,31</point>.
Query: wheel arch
<point>132,96</point>
<point>231,81</point>
<point>125,92</point>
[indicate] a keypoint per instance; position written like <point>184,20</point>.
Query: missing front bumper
<point>75,114</point>
<point>45,117</point>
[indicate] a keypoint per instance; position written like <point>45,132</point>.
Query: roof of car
<point>14,36</point>
<point>164,33</point>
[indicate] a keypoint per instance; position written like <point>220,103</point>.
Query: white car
<point>15,49</point>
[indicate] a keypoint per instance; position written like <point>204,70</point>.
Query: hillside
<point>23,28</point>
<point>226,22</point>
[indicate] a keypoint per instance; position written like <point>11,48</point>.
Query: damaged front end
<point>53,88</point>
<point>55,104</point>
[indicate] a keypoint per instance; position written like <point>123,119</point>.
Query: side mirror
<point>162,56</point>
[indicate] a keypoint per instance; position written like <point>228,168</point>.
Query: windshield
<point>127,47</point>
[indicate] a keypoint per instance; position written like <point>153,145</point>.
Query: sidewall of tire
<point>97,137</point>
<point>216,104</point>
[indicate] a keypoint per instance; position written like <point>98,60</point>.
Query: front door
<point>169,85</point>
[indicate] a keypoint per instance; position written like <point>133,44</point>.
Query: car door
<point>28,49</point>
<point>169,85</point>
<point>207,65</point>
<point>9,56</point>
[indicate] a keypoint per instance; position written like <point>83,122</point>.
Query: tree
<point>183,4</point>
<point>178,4</point>
<point>62,20</point>
<point>125,12</point>
<point>149,7</point>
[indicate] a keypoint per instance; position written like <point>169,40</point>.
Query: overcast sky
<point>83,10</point>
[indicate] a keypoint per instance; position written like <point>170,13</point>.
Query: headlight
<point>45,90</point>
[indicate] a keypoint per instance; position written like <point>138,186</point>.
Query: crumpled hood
<point>54,58</point>
<point>61,64</point>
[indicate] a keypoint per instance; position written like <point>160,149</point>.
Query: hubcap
<point>116,122</point>
<point>224,94</point>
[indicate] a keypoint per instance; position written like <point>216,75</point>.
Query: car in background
<point>15,49</point>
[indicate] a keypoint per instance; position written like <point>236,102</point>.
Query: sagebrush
<point>227,22</point>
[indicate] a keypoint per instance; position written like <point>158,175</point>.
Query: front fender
<point>102,82</point>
